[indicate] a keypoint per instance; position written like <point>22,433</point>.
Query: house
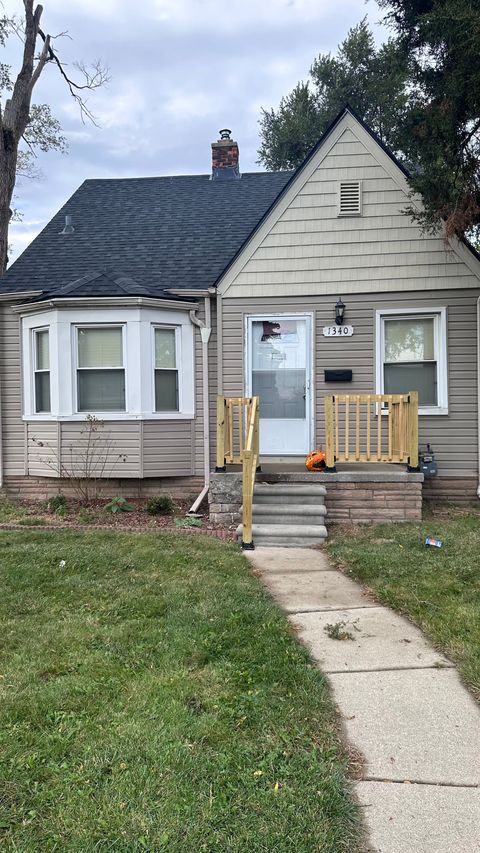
<point>143,299</point>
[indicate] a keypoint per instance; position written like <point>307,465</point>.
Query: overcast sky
<point>180,70</point>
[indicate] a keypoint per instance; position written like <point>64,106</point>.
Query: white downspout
<point>205,332</point>
<point>478,392</point>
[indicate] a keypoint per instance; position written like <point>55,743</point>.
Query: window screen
<point>42,371</point>
<point>166,371</point>
<point>101,373</point>
<point>410,363</point>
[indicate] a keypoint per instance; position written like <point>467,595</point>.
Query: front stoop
<point>288,515</point>
<point>355,496</point>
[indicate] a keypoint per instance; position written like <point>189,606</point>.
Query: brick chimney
<point>225,157</point>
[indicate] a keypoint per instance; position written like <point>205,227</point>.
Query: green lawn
<point>153,698</point>
<point>439,589</point>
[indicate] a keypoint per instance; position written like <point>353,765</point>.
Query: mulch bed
<point>35,514</point>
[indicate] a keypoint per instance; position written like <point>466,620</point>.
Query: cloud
<point>180,70</point>
<point>239,14</point>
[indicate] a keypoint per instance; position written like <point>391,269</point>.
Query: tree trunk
<point>8,166</point>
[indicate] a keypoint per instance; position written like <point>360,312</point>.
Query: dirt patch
<point>93,516</point>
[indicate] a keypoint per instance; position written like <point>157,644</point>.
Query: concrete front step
<point>288,494</point>
<point>282,514</point>
<point>290,488</point>
<point>286,535</point>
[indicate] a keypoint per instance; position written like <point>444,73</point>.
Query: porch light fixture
<point>339,311</point>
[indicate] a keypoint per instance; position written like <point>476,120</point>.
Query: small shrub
<point>118,504</point>
<point>58,504</point>
<point>161,504</point>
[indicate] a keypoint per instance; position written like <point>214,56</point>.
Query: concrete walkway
<point>402,705</point>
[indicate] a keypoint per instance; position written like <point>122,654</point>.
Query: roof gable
<point>286,247</point>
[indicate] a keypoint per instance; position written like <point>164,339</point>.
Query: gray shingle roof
<point>169,232</point>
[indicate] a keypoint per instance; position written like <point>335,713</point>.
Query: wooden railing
<point>238,438</point>
<point>371,428</point>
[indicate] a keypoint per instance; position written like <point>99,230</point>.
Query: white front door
<point>279,373</point>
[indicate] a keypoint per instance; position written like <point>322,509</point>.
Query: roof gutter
<point>102,301</point>
<point>20,294</point>
<point>191,291</point>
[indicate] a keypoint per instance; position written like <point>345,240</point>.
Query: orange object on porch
<point>315,461</point>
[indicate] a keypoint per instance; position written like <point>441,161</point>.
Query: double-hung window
<point>41,359</point>
<point>413,357</point>
<point>100,369</point>
<point>166,369</point>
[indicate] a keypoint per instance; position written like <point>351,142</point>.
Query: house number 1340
<point>337,331</point>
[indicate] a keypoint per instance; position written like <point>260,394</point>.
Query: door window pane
<point>100,347</point>
<point>279,354</point>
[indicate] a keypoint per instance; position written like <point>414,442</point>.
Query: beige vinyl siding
<point>307,248</point>
<point>158,448</point>
<point>118,444</point>
<point>13,429</point>
<point>168,448</point>
<point>43,449</point>
<point>453,436</point>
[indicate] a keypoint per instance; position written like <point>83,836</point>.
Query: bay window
<point>41,362</point>
<point>100,369</point>
<point>411,356</point>
<point>117,363</point>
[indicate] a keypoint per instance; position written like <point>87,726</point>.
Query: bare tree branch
<point>33,123</point>
<point>99,76</point>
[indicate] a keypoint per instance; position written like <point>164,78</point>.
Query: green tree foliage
<point>441,135</point>
<point>420,92</point>
<point>372,80</point>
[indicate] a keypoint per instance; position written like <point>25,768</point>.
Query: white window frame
<point>439,315</point>
<point>138,361</point>
<point>76,367</point>
<point>178,366</point>
<point>35,370</point>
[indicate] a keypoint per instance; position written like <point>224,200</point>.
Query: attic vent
<point>350,198</point>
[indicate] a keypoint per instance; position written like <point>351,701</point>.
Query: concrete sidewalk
<point>402,705</point>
